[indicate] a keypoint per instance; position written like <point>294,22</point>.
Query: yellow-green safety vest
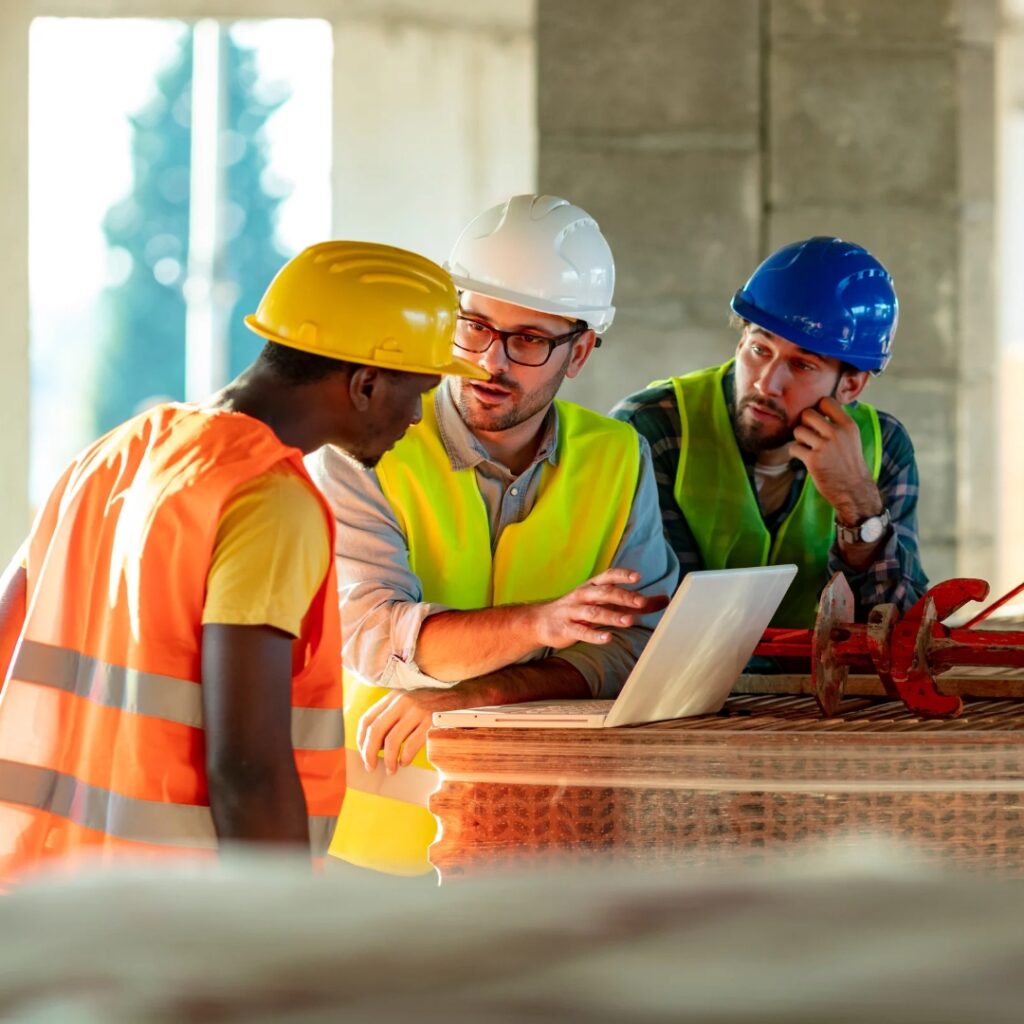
<point>714,493</point>
<point>571,534</point>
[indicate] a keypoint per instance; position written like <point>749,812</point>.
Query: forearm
<point>253,783</point>
<point>546,679</point>
<point>455,645</point>
<point>259,803</point>
<point>863,502</point>
<point>892,572</point>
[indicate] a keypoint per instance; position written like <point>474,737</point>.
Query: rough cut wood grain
<point>766,774</point>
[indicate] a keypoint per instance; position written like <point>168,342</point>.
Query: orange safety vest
<point>101,725</point>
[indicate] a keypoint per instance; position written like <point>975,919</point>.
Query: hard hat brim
<point>792,333</point>
<point>455,368</point>
<point>598,320</point>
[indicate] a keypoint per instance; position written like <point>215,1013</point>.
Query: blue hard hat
<point>828,296</point>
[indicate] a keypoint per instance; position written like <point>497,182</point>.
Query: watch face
<point>872,529</point>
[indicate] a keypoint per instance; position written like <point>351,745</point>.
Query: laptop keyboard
<point>576,707</point>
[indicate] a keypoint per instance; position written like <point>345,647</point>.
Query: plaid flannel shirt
<point>896,575</point>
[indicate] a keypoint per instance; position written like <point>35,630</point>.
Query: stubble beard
<point>520,409</point>
<point>754,438</point>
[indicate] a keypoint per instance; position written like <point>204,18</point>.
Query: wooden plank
<point>768,772</point>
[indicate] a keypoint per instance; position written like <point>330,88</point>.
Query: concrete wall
<point>13,277</point>
<point>704,134</point>
<point>1011,306</point>
<point>650,118</point>
<point>434,122</point>
<point>701,133</point>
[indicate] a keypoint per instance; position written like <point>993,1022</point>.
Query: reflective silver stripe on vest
<point>318,729</point>
<point>124,817</point>
<point>411,784</point>
<point>321,831</point>
<point>142,821</point>
<point>147,693</point>
<point>142,693</point>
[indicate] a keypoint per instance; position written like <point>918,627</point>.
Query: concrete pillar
<point>434,118</point>
<point>649,117</point>
<point>703,135</point>
<point>886,137</point>
<point>1011,262</point>
<point>14,22</point>
<point>979,283</point>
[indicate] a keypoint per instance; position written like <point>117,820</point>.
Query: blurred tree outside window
<point>123,328</point>
<point>149,231</point>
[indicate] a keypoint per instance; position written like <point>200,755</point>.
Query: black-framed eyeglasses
<point>520,346</point>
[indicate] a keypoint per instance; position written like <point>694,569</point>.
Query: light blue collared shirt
<point>382,605</point>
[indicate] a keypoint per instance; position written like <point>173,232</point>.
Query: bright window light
<point>110,181</point>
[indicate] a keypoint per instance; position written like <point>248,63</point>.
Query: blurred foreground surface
<point>840,937</point>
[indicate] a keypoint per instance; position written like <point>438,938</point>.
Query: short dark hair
<point>740,323</point>
<point>294,366</point>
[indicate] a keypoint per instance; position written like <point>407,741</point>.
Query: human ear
<point>850,386</point>
<point>581,349</point>
<point>362,383</point>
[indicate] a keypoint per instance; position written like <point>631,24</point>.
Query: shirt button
<point>514,492</point>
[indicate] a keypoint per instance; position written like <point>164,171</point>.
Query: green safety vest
<point>715,494</point>
<point>571,534</point>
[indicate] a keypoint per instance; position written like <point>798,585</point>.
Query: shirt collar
<point>463,448</point>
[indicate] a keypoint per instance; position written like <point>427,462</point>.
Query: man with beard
<point>771,458</point>
<point>510,548</point>
<point>172,631</point>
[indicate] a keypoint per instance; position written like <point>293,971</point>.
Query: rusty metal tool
<point>906,651</point>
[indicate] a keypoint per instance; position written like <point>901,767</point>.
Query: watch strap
<point>854,535</point>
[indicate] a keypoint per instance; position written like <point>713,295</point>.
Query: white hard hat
<point>540,252</point>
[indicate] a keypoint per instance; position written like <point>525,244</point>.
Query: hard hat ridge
<point>541,252</point>
<point>827,295</point>
<point>365,303</point>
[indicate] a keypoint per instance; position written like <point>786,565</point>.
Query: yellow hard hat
<point>365,303</point>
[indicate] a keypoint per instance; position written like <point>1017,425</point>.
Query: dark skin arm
<point>13,589</point>
<point>255,792</point>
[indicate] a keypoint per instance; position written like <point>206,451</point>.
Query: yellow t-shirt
<point>270,555</point>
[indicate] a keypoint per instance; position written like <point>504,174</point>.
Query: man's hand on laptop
<point>583,615</point>
<point>396,726</point>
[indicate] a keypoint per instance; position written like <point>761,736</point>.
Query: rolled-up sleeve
<point>645,550</point>
<point>381,598</point>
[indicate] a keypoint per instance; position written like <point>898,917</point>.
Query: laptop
<point>697,652</point>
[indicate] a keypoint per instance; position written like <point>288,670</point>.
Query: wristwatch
<point>867,531</point>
